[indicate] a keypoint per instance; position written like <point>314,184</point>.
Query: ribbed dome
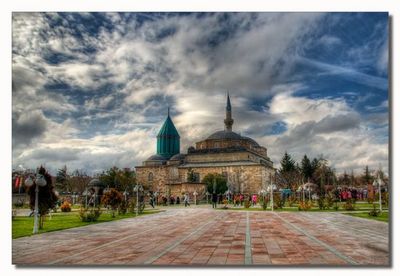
<point>168,129</point>
<point>168,140</point>
<point>178,156</point>
<point>223,134</point>
<point>157,157</point>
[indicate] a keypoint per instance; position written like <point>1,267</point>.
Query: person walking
<point>152,201</point>
<point>186,200</point>
<point>214,200</point>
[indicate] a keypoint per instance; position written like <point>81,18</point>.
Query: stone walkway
<point>203,236</point>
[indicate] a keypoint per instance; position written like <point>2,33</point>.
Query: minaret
<point>228,115</point>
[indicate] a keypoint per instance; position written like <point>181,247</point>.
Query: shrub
<point>123,207</point>
<point>113,198</point>
<point>292,200</point>
<point>89,215</point>
<point>329,201</point>
<point>132,206</point>
<point>19,203</point>
<point>278,202</point>
<point>349,206</point>
<point>264,204</point>
<point>247,203</point>
<point>374,212</point>
<point>305,205</point>
<point>66,207</point>
<point>324,203</point>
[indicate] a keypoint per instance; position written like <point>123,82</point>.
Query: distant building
<point>240,159</point>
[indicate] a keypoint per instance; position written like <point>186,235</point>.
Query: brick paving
<point>203,236</point>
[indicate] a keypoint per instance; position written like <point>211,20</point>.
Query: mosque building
<point>240,159</point>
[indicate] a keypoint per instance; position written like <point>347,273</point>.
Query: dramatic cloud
<point>91,90</point>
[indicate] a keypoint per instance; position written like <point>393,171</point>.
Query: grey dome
<point>95,182</point>
<point>223,134</point>
<point>178,156</point>
<point>251,140</point>
<point>157,157</point>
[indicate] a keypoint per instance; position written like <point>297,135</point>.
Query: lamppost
<point>378,183</point>
<point>195,200</point>
<point>270,189</point>
<point>156,197</point>
<point>38,181</point>
<point>138,188</point>
<point>262,193</point>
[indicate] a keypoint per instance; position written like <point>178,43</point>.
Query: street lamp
<point>379,183</point>
<point>38,181</point>
<point>156,197</point>
<point>138,188</point>
<point>195,194</point>
<point>262,193</point>
<point>271,189</point>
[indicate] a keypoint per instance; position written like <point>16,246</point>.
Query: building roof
<point>219,164</point>
<point>178,156</point>
<point>168,128</point>
<point>223,134</point>
<point>157,157</point>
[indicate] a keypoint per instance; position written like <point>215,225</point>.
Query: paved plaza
<point>203,236</point>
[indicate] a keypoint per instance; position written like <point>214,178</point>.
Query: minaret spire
<point>228,114</point>
<point>168,111</point>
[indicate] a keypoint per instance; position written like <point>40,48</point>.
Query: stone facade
<point>240,159</point>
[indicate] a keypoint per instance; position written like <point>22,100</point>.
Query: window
<point>196,177</point>
<point>150,177</point>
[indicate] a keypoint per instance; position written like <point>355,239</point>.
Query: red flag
<point>17,182</point>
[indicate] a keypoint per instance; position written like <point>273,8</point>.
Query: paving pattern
<point>202,236</point>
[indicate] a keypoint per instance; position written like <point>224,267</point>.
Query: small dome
<point>157,157</point>
<point>223,134</point>
<point>95,182</point>
<point>178,156</point>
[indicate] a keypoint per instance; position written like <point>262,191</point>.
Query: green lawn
<point>359,206</point>
<point>382,217</point>
<point>23,226</point>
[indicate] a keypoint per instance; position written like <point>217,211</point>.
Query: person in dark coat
<point>214,200</point>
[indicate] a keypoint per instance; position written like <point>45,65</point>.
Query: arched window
<point>150,177</point>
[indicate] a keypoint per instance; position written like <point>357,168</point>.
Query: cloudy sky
<point>91,90</point>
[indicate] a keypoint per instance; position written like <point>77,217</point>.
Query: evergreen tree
<point>47,196</point>
<point>306,168</point>
<point>367,176</point>
<point>62,183</point>
<point>287,164</point>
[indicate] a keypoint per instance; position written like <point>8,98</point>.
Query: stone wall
<point>244,178</point>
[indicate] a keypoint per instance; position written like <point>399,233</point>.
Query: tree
<point>119,179</point>
<point>47,196</point>
<point>289,175</point>
<point>219,180</point>
<point>78,181</point>
<point>287,164</point>
<point>367,176</point>
<point>62,183</point>
<point>112,198</point>
<point>306,168</point>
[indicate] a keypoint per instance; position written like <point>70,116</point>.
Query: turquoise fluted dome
<point>168,139</point>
